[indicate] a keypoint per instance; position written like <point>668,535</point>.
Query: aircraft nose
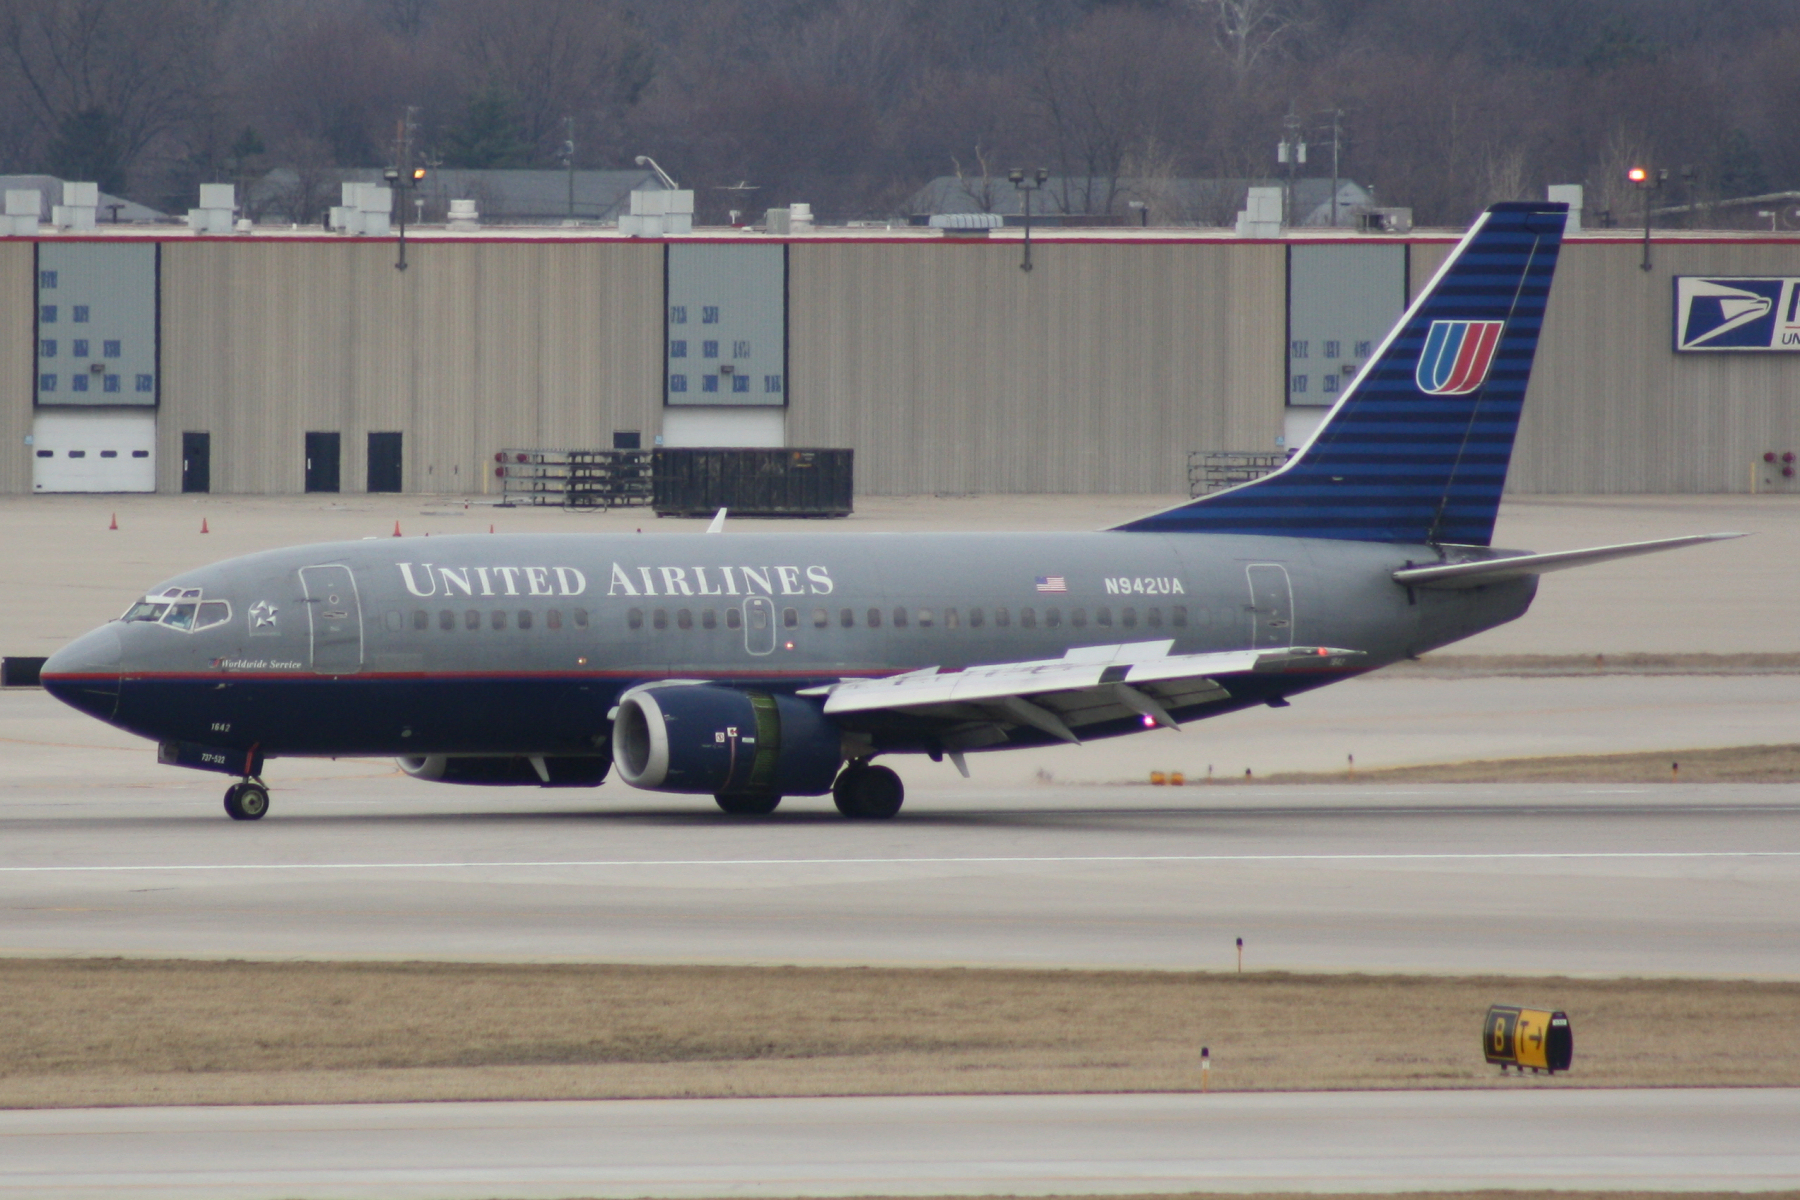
<point>85,673</point>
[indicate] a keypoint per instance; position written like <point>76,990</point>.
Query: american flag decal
<point>1052,583</point>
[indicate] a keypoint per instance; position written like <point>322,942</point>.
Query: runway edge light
<point>1528,1037</point>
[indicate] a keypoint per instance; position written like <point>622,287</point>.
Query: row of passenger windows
<point>925,618</point>
<point>448,619</point>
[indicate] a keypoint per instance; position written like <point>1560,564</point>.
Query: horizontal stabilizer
<point>1479,572</point>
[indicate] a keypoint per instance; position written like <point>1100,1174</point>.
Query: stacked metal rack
<point>576,479</point>
<point>1214,470</point>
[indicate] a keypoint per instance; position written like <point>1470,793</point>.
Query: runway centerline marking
<point>974,860</point>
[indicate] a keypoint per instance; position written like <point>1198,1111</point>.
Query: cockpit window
<point>212,613</point>
<point>180,608</point>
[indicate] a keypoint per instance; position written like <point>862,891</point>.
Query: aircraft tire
<point>740,804</point>
<point>867,793</point>
<point>246,801</point>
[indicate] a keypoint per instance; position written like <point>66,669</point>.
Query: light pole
<point>399,184</point>
<point>1027,184</point>
<point>1647,182</point>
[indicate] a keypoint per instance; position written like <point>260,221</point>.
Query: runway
<point>1668,880</point>
<point>1674,1140</point>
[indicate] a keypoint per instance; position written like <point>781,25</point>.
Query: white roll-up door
<point>96,450</point>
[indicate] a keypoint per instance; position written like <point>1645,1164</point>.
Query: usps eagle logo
<point>1457,356</point>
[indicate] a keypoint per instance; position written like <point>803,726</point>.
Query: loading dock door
<point>93,450</point>
<point>196,462</point>
<point>322,462</point>
<point>384,462</point>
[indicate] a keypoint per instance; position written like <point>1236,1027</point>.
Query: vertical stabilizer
<point>1416,449</point>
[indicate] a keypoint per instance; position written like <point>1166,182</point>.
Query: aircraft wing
<point>1481,571</point>
<point>1090,684</point>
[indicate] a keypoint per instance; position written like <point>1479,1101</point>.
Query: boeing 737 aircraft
<point>750,667</point>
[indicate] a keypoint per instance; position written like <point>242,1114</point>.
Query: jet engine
<point>508,770</point>
<point>714,740</point>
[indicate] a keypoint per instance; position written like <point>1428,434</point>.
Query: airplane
<point>752,667</point>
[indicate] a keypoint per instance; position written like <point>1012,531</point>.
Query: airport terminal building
<point>160,359</point>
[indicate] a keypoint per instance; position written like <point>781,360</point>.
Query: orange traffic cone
<point>203,528</point>
<point>115,523</point>
<point>490,529</point>
<point>396,529</point>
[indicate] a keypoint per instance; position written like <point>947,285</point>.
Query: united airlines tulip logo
<point>1457,356</point>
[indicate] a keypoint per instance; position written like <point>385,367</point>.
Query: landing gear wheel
<point>740,804</point>
<point>246,801</point>
<point>868,793</point>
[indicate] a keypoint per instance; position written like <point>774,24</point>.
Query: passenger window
<point>899,618</point>
<point>874,618</point>
<point>1078,618</point>
<point>421,619</point>
<point>1178,616</point>
<point>395,621</point>
<point>217,612</point>
<point>684,619</point>
<point>1128,617</point>
<point>974,618</point>
<point>446,620</point>
<point>471,619</point>
<point>498,619</point>
<point>581,618</point>
<point>1028,618</point>
<point>659,619</point>
<point>790,618</point>
<point>553,619</point>
<point>1153,618</point>
<point>1002,617</point>
<point>821,618</point>
<point>949,618</point>
<point>924,618</point>
<point>847,618</point>
<point>634,619</point>
<point>1103,616</point>
<point>524,618</point>
<point>733,619</point>
<point>1052,617</point>
<point>709,619</point>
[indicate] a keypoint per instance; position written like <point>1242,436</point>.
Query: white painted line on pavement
<point>974,860</point>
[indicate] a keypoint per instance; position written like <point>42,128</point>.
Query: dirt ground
<point>1730,764</point>
<point>108,1032</point>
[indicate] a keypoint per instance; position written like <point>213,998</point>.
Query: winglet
<point>718,522</point>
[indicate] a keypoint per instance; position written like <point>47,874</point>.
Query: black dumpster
<point>699,481</point>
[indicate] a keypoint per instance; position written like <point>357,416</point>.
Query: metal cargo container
<point>698,482</point>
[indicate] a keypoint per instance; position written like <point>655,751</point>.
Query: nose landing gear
<point>868,793</point>
<point>247,801</point>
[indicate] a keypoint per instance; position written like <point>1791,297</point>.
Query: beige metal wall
<point>941,363</point>
<point>477,346</point>
<point>949,369</point>
<point>1612,408</point>
<point>18,363</point>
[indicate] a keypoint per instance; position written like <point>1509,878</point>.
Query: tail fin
<point>1417,447</point>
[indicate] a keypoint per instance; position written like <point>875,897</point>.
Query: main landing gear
<point>868,793</point>
<point>246,801</point>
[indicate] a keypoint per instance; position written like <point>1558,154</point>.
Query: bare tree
<point>1250,30</point>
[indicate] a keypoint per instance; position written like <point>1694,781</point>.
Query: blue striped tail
<point>1416,449</point>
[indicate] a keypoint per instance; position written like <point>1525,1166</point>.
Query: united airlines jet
<point>749,667</point>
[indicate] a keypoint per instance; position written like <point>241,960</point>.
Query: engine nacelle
<point>711,740</point>
<point>507,770</point>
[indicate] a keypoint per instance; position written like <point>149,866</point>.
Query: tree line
<point>852,105</point>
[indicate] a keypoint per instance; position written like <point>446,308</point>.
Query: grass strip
<point>108,1031</point>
